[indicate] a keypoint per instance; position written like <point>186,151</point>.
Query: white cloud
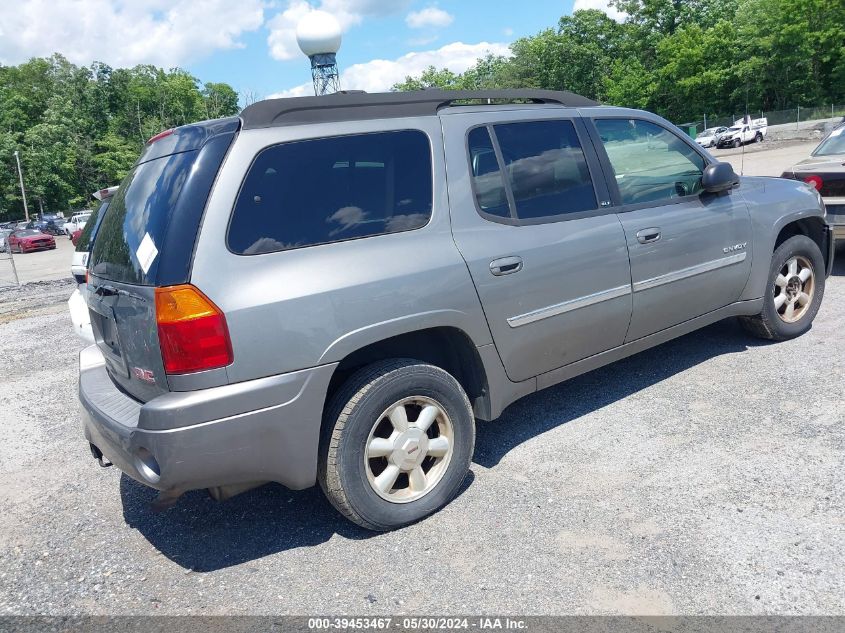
<point>430,17</point>
<point>124,33</point>
<point>601,5</point>
<point>282,38</point>
<point>379,75</point>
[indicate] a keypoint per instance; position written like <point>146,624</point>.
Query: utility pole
<point>23,191</point>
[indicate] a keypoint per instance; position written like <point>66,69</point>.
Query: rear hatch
<point>146,240</point>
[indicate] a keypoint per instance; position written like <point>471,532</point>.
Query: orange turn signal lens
<point>182,303</point>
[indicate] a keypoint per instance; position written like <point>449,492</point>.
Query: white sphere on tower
<point>318,33</point>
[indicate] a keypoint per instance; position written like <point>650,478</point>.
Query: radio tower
<point>318,36</point>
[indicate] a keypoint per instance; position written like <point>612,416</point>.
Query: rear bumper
<point>261,430</point>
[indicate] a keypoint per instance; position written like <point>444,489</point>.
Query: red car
<point>74,237</point>
<point>27,240</point>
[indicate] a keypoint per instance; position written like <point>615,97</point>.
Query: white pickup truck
<point>76,222</point>
<point>743,131</point>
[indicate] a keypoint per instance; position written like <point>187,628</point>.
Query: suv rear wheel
<point>794,293</point>
<point>397,443</point>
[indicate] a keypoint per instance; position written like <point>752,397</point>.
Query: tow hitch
<point>98,455</point>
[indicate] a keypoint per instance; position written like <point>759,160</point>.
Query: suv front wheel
<point>397,443</point>
<point>794,293</point>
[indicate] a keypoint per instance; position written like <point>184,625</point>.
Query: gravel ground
<point>703,476</point>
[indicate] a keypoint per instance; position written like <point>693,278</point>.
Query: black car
<point>50,225</point>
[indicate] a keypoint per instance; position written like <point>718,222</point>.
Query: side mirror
<point>718,177</point>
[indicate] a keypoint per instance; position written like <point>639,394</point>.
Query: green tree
<point>81,128</point>
<point>430,78</point>
<point>219,100</point>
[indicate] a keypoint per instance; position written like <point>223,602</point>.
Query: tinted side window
<point>546,168</point>
<point>487,180</point>
<point>651,164</point>
<point>333,189</point>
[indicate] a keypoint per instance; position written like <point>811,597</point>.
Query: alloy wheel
<point>794,288</point>
<point>409,449</point>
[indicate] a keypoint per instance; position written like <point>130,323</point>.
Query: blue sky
<point>250,44</point>
<point>385,37</point>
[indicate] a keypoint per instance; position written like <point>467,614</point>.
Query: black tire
<point>350,418</point>
<point>769,324</point>
<point>758,138</point>
<point>737,143</point>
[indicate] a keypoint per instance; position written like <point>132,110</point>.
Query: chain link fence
<point>8,272</point>
<point>796,115</point>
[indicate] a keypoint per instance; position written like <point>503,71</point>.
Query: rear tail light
<point>192,331</point>
<point>815,182</point>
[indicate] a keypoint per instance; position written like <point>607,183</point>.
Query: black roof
<point>355,106</point>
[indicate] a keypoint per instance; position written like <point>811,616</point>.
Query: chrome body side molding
<point>568,306</point>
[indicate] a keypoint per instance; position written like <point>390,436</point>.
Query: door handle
<point>506,266</point>
<point>646,236</point>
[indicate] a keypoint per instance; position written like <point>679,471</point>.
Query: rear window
<point>546,168</point>
<point>131,234</point>
<point>328,190</point>
<point>833,144</point>
<point>487,180</point>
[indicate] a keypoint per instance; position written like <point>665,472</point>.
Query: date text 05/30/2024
<point>417,624</point>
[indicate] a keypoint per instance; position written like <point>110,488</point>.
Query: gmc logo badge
<point>144,375</point>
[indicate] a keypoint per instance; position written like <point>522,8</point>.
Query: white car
<point>710,136</point>
<point>76,222</point>
<point>77,304</point>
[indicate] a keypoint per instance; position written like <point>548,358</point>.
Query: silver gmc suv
<point>333,289</point>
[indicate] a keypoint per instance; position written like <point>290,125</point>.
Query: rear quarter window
<point>326,190</point>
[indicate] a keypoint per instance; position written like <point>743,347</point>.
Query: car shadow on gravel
<point>204,535</point>
<point>550,408</point>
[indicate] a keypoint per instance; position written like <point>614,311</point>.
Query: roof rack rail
<point>359,105</point>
